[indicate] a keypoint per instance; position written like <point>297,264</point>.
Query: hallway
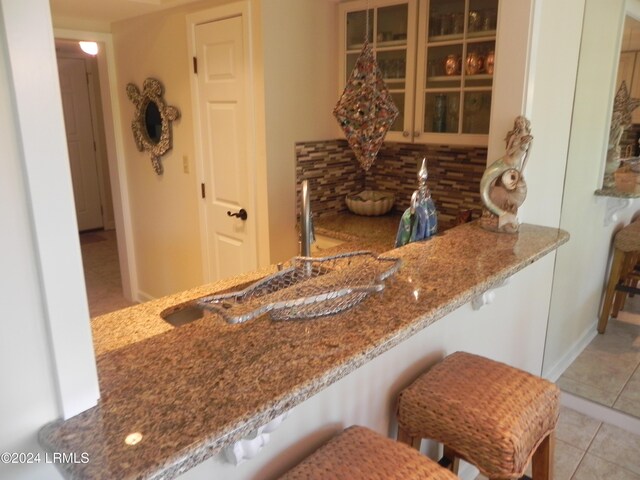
<point>102,272</point>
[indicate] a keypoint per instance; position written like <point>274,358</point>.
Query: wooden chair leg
<point>614,276</point>
<point>542,462</point>
<point>405,437</point>
<point>618,301</point>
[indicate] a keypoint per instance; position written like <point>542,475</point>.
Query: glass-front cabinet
<point>437,58</point>
<point>392,34</point>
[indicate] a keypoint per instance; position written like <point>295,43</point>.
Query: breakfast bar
<point>174,397</point>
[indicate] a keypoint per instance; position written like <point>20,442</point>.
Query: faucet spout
<point>306,222</point>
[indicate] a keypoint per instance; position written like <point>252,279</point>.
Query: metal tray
<point>308,288</point>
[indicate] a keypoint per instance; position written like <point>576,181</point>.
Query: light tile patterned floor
<point>102,272</point>
<point>608,370</point>
<point>587,449</point>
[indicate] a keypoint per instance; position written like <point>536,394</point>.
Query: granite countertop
<point>614,192</point>
<point>191,391</point>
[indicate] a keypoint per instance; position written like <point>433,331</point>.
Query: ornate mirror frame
<point>152,91</point>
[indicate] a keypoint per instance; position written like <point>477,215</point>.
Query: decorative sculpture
<point>623,107</point>
<point>420,220</point>
<point>503,188</point>
<point>151,122</point>
<point>365,110</point>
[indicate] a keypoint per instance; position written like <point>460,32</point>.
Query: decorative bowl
<point>370,202</point>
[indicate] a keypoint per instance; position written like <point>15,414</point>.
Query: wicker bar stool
<point>361,454</point>
<point>490,414</point>
<point>623,277</point>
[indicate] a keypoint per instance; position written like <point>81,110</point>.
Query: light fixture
<point>90,48</point>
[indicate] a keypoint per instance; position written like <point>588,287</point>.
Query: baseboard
<point>600,412</point>
<point>142,297</point>
<point>553,374</point>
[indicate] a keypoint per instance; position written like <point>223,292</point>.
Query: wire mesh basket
<point>309,288</point>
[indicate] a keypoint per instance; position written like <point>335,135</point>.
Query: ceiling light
<point>89,47</point>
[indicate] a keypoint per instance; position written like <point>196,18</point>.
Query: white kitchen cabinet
<point>437,58</point>
<point>393,36</point>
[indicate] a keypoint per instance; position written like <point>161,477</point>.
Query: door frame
<point>114,145</point>
<point>243,10</point>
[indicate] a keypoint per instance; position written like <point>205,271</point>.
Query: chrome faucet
<point>306,222</point>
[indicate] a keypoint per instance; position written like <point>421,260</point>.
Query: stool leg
<point>614,276</point>
<point>454,457</point>
<point>405,437</point>
<point>620,296</point>
<point>542,462</point>
<point>618,301</point>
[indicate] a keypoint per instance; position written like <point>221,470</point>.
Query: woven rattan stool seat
<point>361,454</point>
<point>628,239</point>
<point>489,413</point>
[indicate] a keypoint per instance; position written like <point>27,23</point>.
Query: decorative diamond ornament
<point>625,104</point>
<point>365,110</point>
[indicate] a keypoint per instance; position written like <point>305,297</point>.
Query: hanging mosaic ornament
<point>365,110</point>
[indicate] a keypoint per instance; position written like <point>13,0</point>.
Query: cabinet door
<point>392,34</point>
<point>454,71</point>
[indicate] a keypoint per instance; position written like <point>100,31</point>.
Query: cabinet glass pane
<point>446,20</point>
<point>444,64</point>
<point>482,18</point>
<point>441,113</point>
<point>476,111</point>
<point>393,65</point>
<point>392,26</point>
<point>356,28</point>
<point>479,64</point>
<point>398,99</point>
<point>351,62</point>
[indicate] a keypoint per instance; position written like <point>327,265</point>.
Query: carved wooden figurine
<point>503,188</point>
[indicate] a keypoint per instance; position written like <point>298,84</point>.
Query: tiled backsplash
<point>332,171</point>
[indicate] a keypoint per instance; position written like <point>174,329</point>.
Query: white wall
<point>552,79</point>
<point>164,208</point>
<point>28,377</point>
<point>296,83</point>
<point>301,84</point>
<point>582,264</point>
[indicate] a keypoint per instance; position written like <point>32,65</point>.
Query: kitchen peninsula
<point>189,392</point>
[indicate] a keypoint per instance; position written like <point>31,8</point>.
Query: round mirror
<point>153,122</point>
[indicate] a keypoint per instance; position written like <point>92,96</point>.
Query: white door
<point>227,170</point>
<point>81,146</point>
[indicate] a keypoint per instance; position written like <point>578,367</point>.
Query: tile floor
<point>102,272</point>
<point>587,449</point>
<point>608,370</point>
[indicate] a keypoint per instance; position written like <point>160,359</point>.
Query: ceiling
<point>100,14</point>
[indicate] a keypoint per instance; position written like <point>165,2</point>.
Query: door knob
<point>241,214</point>
<point>416,133</point>
<point>405,134</point>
